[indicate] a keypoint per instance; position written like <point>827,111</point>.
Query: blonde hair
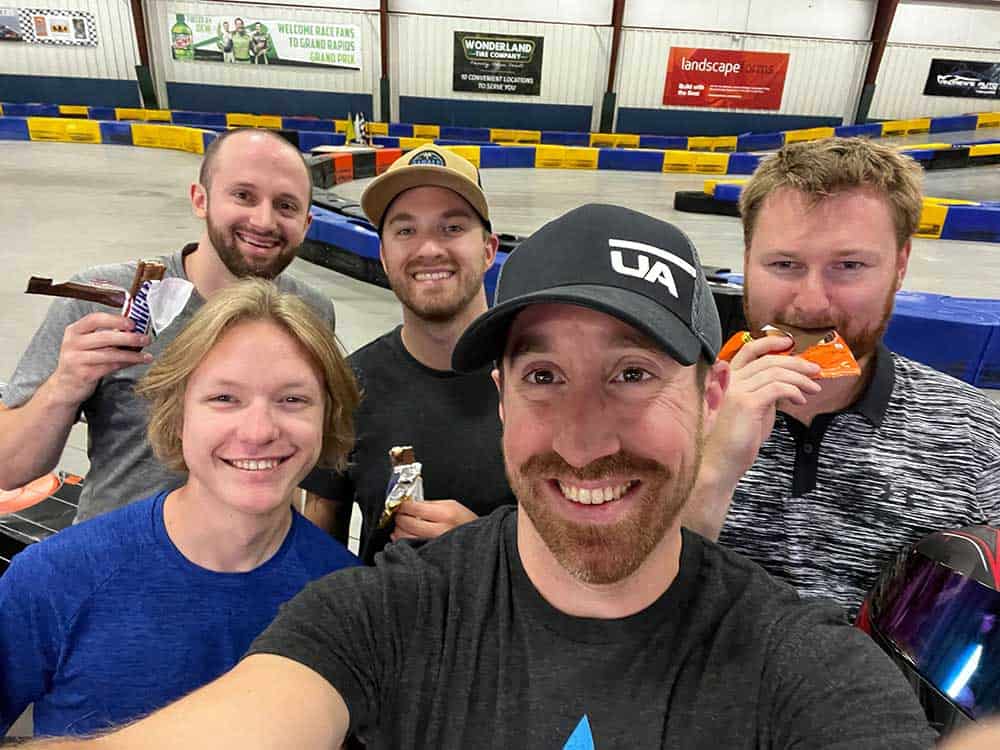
<point>833,165</point>
<point>246,301</point>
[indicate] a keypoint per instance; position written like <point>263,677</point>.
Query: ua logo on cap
<point>428,157</point>
<point>653,271</point>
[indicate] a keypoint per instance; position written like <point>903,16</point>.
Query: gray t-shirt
<point>122,465</point>
<point>450,645</point>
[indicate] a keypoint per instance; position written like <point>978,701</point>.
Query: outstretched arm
<point>265,703</point>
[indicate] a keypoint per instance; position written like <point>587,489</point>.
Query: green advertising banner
<point>248,40</point>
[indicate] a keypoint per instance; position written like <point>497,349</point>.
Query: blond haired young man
<point>117,616</point>
<point>822,481</point>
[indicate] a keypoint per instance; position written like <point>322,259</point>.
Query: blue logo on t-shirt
<point>581,739</point>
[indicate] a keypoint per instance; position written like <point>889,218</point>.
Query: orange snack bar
<point>828,350</point>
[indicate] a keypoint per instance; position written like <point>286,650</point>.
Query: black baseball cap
<point>639,269</point>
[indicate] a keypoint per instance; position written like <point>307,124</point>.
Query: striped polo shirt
<point>824,507</point>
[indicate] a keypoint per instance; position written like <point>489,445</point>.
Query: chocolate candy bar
<point>99,293</point>
<point>406,483</point>
<point>137,309</point>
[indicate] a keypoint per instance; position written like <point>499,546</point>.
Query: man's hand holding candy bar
<point>763,378</point>
<point>429,518</point>
<point>415,517</point>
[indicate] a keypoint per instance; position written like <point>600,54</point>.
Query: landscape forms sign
<point>964,78</point>
<point>248,40</point>
<point>497,63</point>
<point>725,79</point>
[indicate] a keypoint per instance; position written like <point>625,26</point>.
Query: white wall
<point>922,31</point>
<point>826,19</point>
<point>594,12</point>
<point>165,68</point>
<point>574,59</point>
<point>824,76</point>
<point>114,57</point>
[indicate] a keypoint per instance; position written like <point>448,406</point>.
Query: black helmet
<point>936,611</point>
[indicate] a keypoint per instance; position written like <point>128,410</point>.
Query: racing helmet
<point>935,609</point>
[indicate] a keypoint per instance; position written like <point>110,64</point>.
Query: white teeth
<point>257,242</point>
<point>432,276</point>
<point>252,465</point>
<point>594,496</point>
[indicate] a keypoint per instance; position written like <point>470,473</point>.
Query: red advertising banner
<point>725,78</point>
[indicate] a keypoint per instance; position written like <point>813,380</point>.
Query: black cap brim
<point>485,339</point>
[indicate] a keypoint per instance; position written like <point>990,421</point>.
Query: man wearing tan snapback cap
<point>437,244</point>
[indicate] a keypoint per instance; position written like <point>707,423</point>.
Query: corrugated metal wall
<point>900,85</point>
<point>159,18</point>
<point>574,67</point>
<point>114,57</point>
<point>824,76</point>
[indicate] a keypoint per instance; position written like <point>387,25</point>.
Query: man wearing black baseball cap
<point>436,247</point>
<point>586,617</point>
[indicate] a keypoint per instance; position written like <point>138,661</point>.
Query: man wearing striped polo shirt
<point>822,481</point>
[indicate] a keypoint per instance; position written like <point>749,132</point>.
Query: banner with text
<point>725,79</point>
<point>497,63</point>
<point>252,41</point>
<point>964,78</point>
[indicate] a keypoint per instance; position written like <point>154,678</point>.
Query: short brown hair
<point>245,301</point>
<point>832,165</point>
<point>207,170</point>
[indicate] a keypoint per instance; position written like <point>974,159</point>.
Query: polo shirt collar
<point>874,400</point>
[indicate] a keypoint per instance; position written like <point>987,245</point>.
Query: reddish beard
<point>601,553</point>
<point>861,342</point>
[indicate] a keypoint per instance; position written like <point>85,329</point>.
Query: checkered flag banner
<point>64,28</point>
<point>360,128</point>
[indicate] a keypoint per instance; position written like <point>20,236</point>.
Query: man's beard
<point>224,242</point>
<point>861,343</point>
<point>435,308</point>
<point>600,553</point>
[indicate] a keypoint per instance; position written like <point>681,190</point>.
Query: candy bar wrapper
<point>406,483</point>
<point>831,353</point>
<point>164,301</point>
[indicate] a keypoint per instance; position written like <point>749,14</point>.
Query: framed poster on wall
<point>725,78</point>
<point>66,28</point>
<point>497,63</point>
<point>249,40</point>
<point>963,78</point>
<point>10,25</point>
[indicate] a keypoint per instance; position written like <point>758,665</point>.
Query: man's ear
<point>309,219</point>
<point>902,263</point>
<point>716,384</point>
<point>498,382</point>
<point>199,200</point>
<point>492,245</point>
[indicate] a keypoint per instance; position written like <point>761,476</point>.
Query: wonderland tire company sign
<point>497,63</point>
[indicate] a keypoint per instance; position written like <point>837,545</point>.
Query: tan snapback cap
<point>426,165</point>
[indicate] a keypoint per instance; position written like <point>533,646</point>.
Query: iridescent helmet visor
<point>946,626</point>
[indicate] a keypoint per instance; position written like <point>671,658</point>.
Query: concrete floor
<point>67,206</point>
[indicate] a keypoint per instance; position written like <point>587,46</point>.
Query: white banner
<point>249,40</point>
<point>74,28</point>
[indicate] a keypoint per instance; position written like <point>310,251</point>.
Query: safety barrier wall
<point>970,328</point>
<point>410,135</point>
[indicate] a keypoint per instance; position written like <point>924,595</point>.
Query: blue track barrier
<point>972,224</point>
<point>664,142</point>
<point>948,338</point>
<point>516,156</point>
<point>386,141</point>
<point>312,124</point>
<point>401,129</point>
<point>457,133</point>
<point>631,160</point>
<point>14,129</point>
<point>117,133</point>
<point>197,119</point>
<point>740,163</point>
<point>951,124</point>
<point>728,192</point>
<point>565,138</point>
<point>872,130</point>
<point>308,140</point>
<point>101,113</point>
<point>760,141</point>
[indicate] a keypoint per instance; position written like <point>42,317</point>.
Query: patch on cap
<point>428,157</point>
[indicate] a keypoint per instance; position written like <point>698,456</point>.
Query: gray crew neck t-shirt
<point>122,465</point>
